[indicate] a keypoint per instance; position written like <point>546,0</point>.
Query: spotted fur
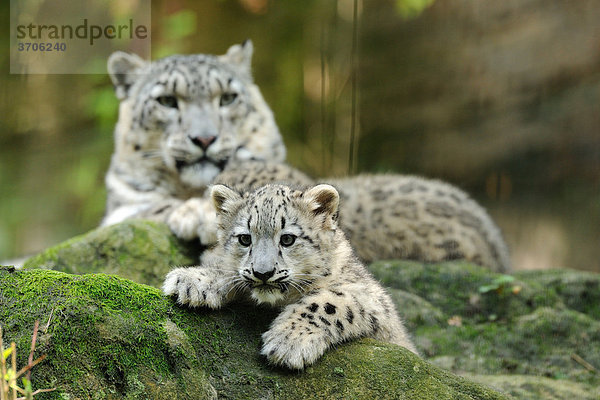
<point>189,121</point>
<point>398,216</point>
<point>282,247</point>
<point>409,217</point>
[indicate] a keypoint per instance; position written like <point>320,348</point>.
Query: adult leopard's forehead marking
<point>190,76</point>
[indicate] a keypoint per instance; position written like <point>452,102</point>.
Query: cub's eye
<point>245,240</point>
<point>227,98</point>
<point>287,240</point>
<point>167,101</point>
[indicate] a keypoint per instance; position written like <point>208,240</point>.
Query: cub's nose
<point>203,141</point>
<point>263,276</point>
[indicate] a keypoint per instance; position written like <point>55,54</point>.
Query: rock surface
<point>142,251</point>
<point>107,337</point>
<point>534,335</point>
<point>470,321</point>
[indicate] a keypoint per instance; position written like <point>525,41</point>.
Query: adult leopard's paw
<point>195,218</point>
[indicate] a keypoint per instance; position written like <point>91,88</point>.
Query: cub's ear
<point>323,199</point>
<point>240,55</point>
<point>124,69</point>
<point>224,198</point>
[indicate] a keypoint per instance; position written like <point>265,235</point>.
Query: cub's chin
<point>268,295</point>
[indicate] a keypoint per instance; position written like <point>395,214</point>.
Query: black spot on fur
<point>349,315</point>
<point>160,210</point>
<point>339,325</point>
<point>374,323</point>
<point>340,294</point>
<point>329,308</point>
<point>308,239</point>
<point>440,208</point>
<point>325,321</point>
<point>313,307</point>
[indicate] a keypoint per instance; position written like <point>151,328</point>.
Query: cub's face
<point>280,240</point>
<point>192,115</point>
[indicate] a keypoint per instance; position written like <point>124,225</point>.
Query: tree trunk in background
<point>472,87</point>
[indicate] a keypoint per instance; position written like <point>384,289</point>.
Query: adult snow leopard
<point>188,121</point>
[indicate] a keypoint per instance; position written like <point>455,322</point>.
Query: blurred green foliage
<point>179,25</point>
<point>173,28</point>
<point>412,8</point>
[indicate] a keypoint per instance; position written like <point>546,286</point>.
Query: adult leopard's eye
<point>287,240</point>
<point>167,101</point>
<point>245,240</point>
<point>227,98</point>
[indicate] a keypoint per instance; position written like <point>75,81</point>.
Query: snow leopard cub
<point>282,247</point>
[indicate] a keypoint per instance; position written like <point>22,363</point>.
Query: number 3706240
<point>28,46</point>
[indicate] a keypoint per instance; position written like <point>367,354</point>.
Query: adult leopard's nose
<point>203,141</point>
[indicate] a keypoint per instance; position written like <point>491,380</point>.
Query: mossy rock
<point>109,338</point>
<point>533,325</point>
<point>537,325</point>
<point>527,387</point>
<point>142,251</point>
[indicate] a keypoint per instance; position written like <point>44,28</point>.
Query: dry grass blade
<point>29,366</point>
<point>9,375</point>
<point>3,386</point>
<point>13,380</point>
<point>578,359</point>
<point>33,340</point>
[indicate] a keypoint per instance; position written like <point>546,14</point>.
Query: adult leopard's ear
<point>323,199</point>
<point>240,55</point>
<point>224,198</point>
<point>124,69</point>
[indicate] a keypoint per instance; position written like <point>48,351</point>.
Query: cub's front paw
<point>291,348</point>
<point>192,286</point>
<point>195,218</point>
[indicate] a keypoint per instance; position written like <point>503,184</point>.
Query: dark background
<point>501,98</point>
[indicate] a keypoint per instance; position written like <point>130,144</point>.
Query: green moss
<point>577,290</point>
<point>108,337</point>
<point>415,310</point>
<point>142,251</point>
<point>525,387</point>
<point>453,288</point>
<point>407,377</point>
<point>534,329</point>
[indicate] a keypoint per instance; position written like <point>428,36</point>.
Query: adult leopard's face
<point>192,115</point>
